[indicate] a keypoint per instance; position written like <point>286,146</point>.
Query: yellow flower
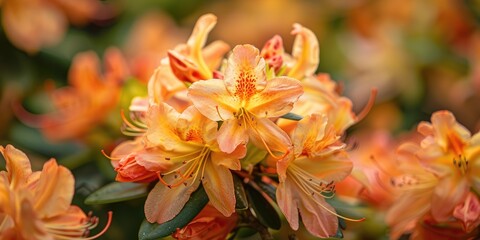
<point>245,100</point>
<point>187,143</point>
<point>308,175</point>
<point>36,205</point>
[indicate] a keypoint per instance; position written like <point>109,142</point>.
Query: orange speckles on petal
<point>245,84</point>
<point>194,135</point>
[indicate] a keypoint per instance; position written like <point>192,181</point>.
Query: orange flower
<point>33,24</point>
<point>86,102</point>
<point>307,176</point>
<point>468,212</point>
<point>36,205</point>
<point>208,224</point>
<point>187,144</point>
<point>245,101</point>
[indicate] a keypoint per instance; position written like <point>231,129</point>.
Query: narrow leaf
<point>117,192</point>
<point>265,212</point>
<point>195,204</point>
<point>240,196</point>
<point>292,116</point>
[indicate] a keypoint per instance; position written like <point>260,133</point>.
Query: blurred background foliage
<point>421,55</point>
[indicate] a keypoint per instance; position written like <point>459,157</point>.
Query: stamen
<point>368,107</point>
<point>109,157</point>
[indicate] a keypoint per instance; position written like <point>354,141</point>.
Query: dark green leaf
<point>117,192</point>
<point>292,116</point>
<point>240,196</point>
<point>195,204</point>
<point>265,212</point>
<point>269,189</point>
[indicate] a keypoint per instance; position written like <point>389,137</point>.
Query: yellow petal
<point>305,52</point>
<point>277,98</point>
<point>54,191</point>
<point>18,165</point>
<point>213,100</point>
<point>218,184</point>
<point>197,40</point>
<point>245,73</point>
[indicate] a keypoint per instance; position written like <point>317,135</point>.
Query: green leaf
<point>117,192</point>
<point>240,196</point>
<point>254,156</point>
<point>195,204</point>
<point>292,116</point>
<point>265,212</point>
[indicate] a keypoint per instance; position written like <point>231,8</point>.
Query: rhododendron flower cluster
<point>229,112</point>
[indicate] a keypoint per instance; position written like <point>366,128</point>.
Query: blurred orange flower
<point>208,224</point>
<point>33,24</point>
<point>36,205</point>
<point>86,102</point>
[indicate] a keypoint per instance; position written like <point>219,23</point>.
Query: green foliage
<point>117,192</point>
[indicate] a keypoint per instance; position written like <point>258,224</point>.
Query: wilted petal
<point>212,99</point>
<point>277,98</point>
<point>218,184</point>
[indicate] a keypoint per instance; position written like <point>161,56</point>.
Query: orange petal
<point>165,203</point>
<point>54,190</point>
<point>287,203</point>
<point>213,100</point>
<point>18,165</point>
<point>184,69</point>
<point>305,52</point>
<point>245,72</point>
<point>277,98</point>
<point>214,52</point>
<point>267,135</point>
<point>218,184</point>
<point>450,192</point>
<point>273,52</point>
<point>232,134</point>
<point>197,40</point>
<point>316,219</point>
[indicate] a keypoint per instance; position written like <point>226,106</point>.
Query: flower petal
<point>164,203</point>
<point>218,184</point>
<point>213,100</point>
<point>245,73</point>
<point>231,134</point>
<point>317,220</point>
<point>197,40</point>
<point>305,52</point>
<point>214,52</point>
<point>277,98</point>
<point>54,190</point>
<point>450,192</point>
<point>18,165</point>
<point>288,202</point>
<point>266,134</point>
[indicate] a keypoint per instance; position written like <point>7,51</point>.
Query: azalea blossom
<point>446,170</point>
<point>245,101</point>
<point>86,102</point>
<point>33,24</point>
<point>208,224</point>
<point>308,175</point>
<point>186,143</point>
<point>36,205</point>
